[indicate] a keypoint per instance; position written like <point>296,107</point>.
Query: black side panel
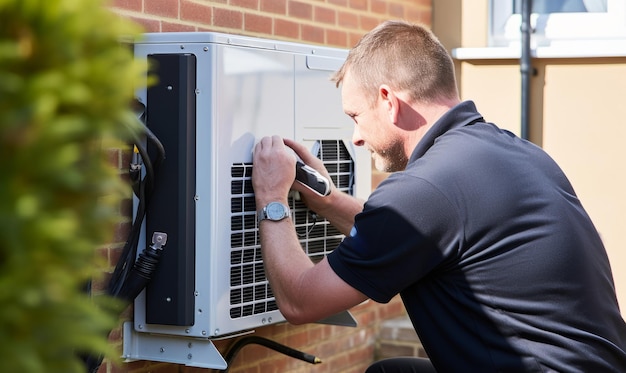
<point>171,115</point>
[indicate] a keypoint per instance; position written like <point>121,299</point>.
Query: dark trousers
<point>402,365</point>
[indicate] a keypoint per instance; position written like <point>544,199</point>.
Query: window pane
<point>556,22</point>
<point>563,6</point>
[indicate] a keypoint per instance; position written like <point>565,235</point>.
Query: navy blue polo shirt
<point>499,266</point>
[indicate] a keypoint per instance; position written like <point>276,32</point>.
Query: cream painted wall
<point>576,115</point>
<point>495,88</point>
<point>585,131</point>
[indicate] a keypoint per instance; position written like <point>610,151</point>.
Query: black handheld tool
<point>312,179</point>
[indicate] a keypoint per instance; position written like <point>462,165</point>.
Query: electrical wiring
<point>143,188</point>
<point>122,284</point>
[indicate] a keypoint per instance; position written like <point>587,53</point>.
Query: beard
<point>391,158</point>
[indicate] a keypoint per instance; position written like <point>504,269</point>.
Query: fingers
<point>274,169</point>
<point>267,145</point>
<point>304,154</point>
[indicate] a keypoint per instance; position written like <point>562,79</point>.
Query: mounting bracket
<point>197,352</point>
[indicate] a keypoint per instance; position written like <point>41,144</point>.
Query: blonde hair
<point>407,57</point>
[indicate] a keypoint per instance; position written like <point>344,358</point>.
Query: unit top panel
<point>183,38</point>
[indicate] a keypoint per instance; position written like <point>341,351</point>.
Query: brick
<point>176,27</point>
<point>121,231</point>
<point>126,157</point>
<point>257,23</point>
<point>353,38</point>
<point>348,20</point>
<point>165,8</point>
<point>396,10</point>
<point>324,15</point>
<point>378,7</point>
<point>274,366</point>
<point>360,359</point>
<point>336,38</point>
<point>300,10</point>
<point>341,3</point>
<point>313,34</point>
<point>419,16</point>
<point>227,18</point>
<point>194,12</point>
<point>286,28</point>
<point>368,22</point>
<point>297,338</point>
<point>255,352</point>
<point>274,6</point>
<point>358,4</point>
<point>249,4</point>
<point>148,25</point>
<point>133,5</point>
<point>314,333</point>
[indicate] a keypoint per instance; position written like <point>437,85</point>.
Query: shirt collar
<point>461,115</point>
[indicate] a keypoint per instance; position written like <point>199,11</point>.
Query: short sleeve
<point>402,234</point>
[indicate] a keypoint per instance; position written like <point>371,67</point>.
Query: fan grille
<point>250,293</point>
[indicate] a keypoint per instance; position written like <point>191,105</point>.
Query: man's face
<point>373,127</point>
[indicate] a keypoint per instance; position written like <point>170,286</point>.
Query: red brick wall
<point>337,23</point>
<point>331,22</point>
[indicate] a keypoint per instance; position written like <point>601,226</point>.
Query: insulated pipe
<point>525,67</point>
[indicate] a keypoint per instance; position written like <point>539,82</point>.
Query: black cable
<point>143,268</point>
<point>239,344</point>
<point>308,231</point>
<point>144,192</point>
<point>131,275</point>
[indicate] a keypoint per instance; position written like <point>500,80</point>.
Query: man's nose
<point>356,137</point>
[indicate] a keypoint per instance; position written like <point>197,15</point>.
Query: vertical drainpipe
<point>525,67</point>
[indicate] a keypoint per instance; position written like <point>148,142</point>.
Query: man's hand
<point>274,170</point>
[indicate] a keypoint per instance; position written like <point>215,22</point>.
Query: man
<point>480,232</point>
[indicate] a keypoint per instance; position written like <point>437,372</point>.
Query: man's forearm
<point>304,292</point>
<point>339,209</point>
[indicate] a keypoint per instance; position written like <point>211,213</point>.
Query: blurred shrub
<point>66,81</point>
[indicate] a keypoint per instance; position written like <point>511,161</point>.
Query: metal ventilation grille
<point>250,293</point>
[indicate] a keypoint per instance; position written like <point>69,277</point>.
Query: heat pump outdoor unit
<point>216,95</point>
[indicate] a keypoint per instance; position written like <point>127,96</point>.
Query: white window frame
<point>557,29</point>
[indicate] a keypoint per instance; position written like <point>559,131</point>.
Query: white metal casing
<point>247,88</point>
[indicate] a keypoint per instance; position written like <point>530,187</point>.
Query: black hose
<point>131,275</point>
<point>232,352</point>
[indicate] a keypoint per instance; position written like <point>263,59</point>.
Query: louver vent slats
<point>250,293</point>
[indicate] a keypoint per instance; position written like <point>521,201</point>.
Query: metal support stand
<point>197,352</point>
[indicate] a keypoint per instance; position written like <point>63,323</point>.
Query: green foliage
<point>66,82</point>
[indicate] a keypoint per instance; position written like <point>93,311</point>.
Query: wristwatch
<point>274,211</point>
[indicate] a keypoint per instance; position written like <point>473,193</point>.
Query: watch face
<point>275,211</point>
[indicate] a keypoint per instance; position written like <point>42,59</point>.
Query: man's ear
<point>390,100</point>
